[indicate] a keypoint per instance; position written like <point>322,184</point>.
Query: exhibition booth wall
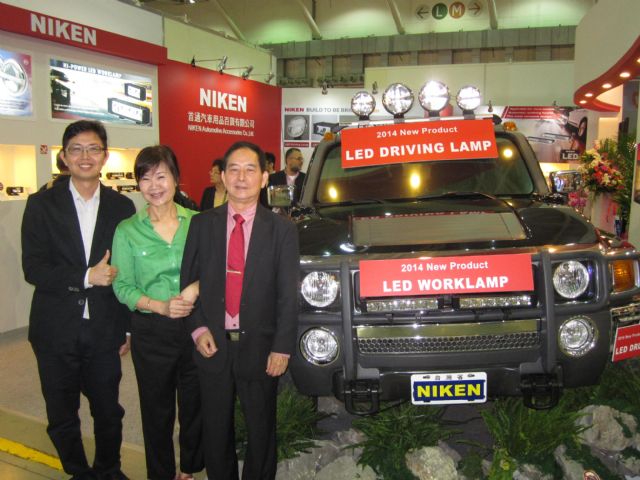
<point>196,110</point>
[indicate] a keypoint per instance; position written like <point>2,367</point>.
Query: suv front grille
<point>490,336</point>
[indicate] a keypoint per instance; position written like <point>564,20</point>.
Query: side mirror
<point>565,181</point>
<point>280,195</point>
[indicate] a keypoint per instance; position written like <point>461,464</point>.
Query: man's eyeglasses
<point>91,150</point>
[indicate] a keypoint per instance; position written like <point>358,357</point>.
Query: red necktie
<point>235,267</point>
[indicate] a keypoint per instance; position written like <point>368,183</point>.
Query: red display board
<point>418,142</point>
<point>446,275</point>
<point>203,112</point>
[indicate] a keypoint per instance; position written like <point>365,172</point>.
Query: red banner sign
<point>418,142</point>
<point>627,344</point>
<point>46,27</point>
<point>446,275</point>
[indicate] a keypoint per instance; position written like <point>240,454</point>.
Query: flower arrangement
<point>598,174</point>
<point>578,200</point>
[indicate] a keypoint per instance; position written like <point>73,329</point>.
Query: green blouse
<point>147,264</point>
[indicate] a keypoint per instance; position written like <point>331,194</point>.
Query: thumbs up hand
<point>102,274</point>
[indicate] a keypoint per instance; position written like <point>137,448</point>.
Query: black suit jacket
<point>208,196</point>
<point>280,178</point>
<point>269,302</point>
<point>53,260</point>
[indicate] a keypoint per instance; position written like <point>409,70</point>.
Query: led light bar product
<point>131,111</point>
<point>363,104</point>
<point>468,98</point>
<point>402,304</point>
<point>496,302</point>
<point>397,99</point>
<point>434,96</point>
<point>135,91</point>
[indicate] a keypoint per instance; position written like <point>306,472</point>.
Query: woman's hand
<point>178,307</point>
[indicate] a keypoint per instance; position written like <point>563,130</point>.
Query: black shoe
<point>89,475</point>
<point>113,476</point>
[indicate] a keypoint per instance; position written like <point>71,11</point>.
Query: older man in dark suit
<point>77,326</point>
<point>244,325</point>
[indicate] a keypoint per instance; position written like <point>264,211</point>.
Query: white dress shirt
<point>87,211</point>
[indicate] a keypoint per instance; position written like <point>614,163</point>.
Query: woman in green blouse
<point>147,250</point>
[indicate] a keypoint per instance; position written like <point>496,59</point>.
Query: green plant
<point>528,436</point>
<point>621,153</point>
<point>619,388</point>
<point>393,432</point>
<point>297,425</point>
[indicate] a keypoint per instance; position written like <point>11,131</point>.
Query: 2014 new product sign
<point>446,275</point>
<point>418,142</point>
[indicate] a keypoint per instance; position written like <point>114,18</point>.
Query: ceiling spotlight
<point>247,72</point>
<point>374,88</point>
<point>606,85</point>
<point>582,102</point>
<point>625,75</point>
<point>588,95</point>
<point>222,64</point>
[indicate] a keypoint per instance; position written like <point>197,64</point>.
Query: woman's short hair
<point>150,157</point>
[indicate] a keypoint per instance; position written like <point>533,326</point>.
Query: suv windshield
<point>506,175</point>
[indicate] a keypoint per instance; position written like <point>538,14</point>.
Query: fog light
<point>363,104</point>
<point>623,274</point>
<point>319,346</point>
<point>397,99</point>
<point>434,96</point>
<point>577,336</point>
<point>468,98</point>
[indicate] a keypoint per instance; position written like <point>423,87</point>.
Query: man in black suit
<point>244,324</point>
<point>77,327</point>
<point>291,175</point>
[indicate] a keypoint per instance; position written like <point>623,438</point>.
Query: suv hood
<point>441,224</point>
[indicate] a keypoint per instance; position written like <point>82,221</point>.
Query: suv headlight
<point>397,99</point>
<point>570,279</point>
<point>319,289</point>
<point>319,346</point>
<point>577,336</point>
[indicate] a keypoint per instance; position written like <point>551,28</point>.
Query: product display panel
<point>17,171</point>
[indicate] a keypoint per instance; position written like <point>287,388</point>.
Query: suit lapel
<point>67,210</point>
<point>216,264</point>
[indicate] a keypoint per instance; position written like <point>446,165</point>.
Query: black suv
<point>453,347</point>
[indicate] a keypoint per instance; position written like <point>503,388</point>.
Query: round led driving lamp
<point>570,279</point>
<point>434,96</point>
<point>468,98</point>
<point>319,346</point>
<point>319,289</point>
<point>363,104</point>
<point>397,99</point>
<point>577,336</point>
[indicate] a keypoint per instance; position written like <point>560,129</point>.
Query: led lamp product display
<point>135,91</point>
<point>14,191</point>
<point>127,188</point>
<point>115,175</point>
<point>496,302</point>
<point>402,304</point>
<point>129,110</point>
<point>363,104</point>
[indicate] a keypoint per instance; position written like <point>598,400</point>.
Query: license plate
<point>448,388</point>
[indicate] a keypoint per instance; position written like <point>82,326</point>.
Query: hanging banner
<point>94,93</point>
<point>418,142</point>
<point>206,112</point>
<point>446,275</point>
<point>15,84</point>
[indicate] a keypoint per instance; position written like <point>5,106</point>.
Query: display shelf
<point>117,172</point>
<point>17,171</point>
